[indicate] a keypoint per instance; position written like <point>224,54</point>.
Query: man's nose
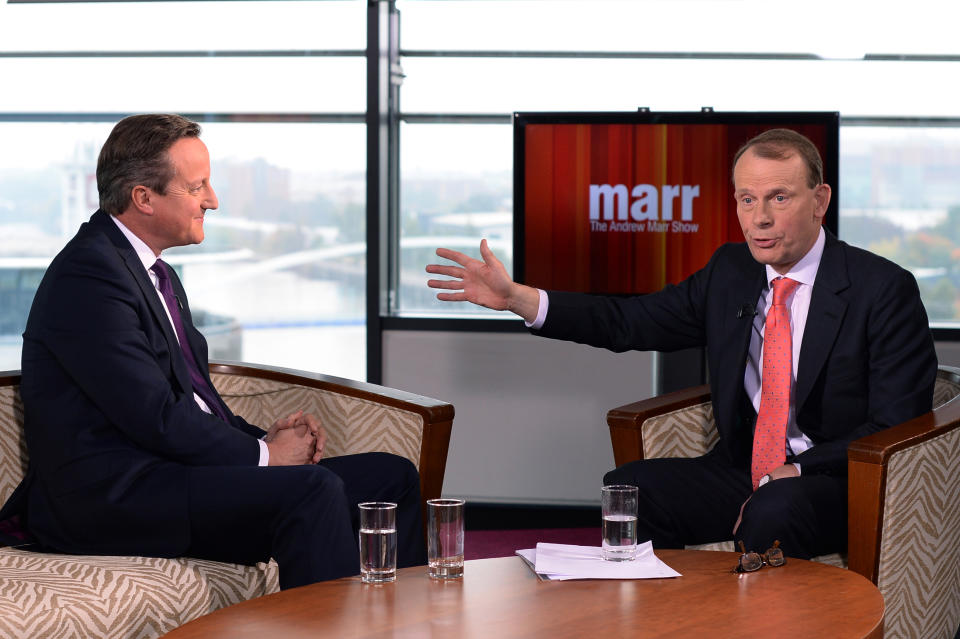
<point>762,216</point>
<point>211,202</point>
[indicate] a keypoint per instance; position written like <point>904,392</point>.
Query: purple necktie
<point>200,386</point>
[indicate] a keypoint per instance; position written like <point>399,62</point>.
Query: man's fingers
<point>454,256</point>
<point>446,269</point>
<point>452,297</point>
<point>487,253</point>
<point>448,284</point>
<point>293,418</point>
<point>739,516</point>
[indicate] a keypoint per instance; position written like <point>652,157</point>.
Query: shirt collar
<point>144,252</point>
<point>804,271</point>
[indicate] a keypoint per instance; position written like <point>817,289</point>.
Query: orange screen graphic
<point>629,208</point>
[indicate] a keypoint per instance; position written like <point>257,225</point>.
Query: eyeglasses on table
<point>753,561</point>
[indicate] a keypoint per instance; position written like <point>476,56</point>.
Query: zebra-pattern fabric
<point>688,432</point>
<point>73,596</point>
<point>353,425</point>
<point>944,390</point>
<point>79,596</point>
<point>13,444</point>
<point>919,575</point>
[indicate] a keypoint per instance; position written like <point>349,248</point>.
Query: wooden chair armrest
<point>867,462</point>
<point>437,415</point>
<point>625,422</point>
<point>10,378</point>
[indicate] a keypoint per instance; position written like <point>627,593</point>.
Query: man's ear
<point>141,199</point>
<point>821,195</point>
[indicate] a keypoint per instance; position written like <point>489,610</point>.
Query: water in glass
<point>619,537</point>
<point>378,555</point>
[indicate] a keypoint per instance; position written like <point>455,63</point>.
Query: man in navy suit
<point>131,449</point>
<point>860,358</point>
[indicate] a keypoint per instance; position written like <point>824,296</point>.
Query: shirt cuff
<point>541,311</point>
<point>264,453</point>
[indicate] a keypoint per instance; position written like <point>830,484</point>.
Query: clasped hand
<point>296,439</point>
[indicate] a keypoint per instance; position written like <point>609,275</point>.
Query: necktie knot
<point>160,270</point>
<point>782,288</point>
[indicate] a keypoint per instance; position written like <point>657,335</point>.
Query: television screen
<point>625,203</point>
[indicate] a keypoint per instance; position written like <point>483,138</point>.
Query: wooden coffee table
<point>502,598</point>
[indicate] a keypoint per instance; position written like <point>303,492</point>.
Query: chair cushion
<point>688,432</point>
<point>64,596</point>
<point>13,444</point>
<point>944,389</point>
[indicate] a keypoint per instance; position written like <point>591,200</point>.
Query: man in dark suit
<point>811,344</point>
<point>131,449</point>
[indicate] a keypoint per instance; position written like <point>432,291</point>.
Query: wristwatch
<point>763,480</point>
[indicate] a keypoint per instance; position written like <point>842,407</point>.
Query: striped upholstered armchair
<point>72,596</point>
<point>904,497</point>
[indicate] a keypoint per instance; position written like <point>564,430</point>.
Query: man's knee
<point>775,504</point>
<point>318,483</point>
<point>395,470</point>
<point>640,473</point>
<point>783,510</point>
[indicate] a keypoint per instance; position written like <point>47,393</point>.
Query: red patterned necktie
<point>770,434</point>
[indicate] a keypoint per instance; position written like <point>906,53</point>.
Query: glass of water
<point>619,506</point>
<point>378,542</point>
<point>445,538</point>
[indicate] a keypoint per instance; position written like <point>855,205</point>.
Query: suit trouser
<point>696,501</point>
<point>305,517</point>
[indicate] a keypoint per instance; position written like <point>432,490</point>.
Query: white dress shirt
<point>147,258</point>
<point>804,272</point>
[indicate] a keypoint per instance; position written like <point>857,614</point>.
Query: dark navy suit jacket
<point>111,424</point>
<point>867,359</point>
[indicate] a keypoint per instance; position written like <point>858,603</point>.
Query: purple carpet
<point>483,544</point>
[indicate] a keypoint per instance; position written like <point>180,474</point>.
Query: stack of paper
<point>562,561</point>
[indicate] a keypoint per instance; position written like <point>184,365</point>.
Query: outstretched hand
<point>485,283</point>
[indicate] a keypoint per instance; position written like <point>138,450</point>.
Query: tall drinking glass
<point>378,542</point>
<point>619,506</point>
<point>445,538</point>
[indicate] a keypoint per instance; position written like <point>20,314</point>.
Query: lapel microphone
<point>746,310</point>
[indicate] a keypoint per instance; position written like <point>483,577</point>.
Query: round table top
<point>503,598</point>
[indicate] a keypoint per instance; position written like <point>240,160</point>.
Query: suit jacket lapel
<point>737,312</point>
<point>190,330</point>
<point>757,274</point>
<point>824,318</point>
<point>135,266</point>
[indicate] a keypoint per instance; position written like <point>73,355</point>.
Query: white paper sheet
<point>562,561</point>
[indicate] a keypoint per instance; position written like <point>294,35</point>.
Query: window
<point>900,198</point>
<point>468,65</point>
<point>279,89</point>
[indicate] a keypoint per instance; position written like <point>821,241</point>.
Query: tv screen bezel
<point>765,119</point>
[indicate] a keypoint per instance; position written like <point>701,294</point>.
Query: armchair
<point>67,596</point>
<point>903,493</point>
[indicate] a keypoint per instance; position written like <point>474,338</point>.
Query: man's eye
<point>780,198</point>
<point>746,201</point>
